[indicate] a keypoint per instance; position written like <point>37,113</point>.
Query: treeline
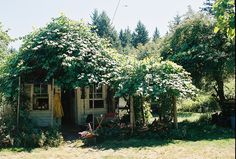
<point>125,37</point>
<point>194,40</point>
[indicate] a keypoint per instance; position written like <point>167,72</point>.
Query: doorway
<point>68,104</point>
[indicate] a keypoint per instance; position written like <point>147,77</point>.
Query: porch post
<point>18,105</point>
<point>132,118</point>
<point>52,101</point>
<point>93,107</point>
<point>175,112</point>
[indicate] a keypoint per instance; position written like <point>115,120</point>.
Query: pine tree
<point>208,7</point>
<point>104,28</point>
<point>156,35</point>
<point>140,35</point>
<point>125,37</point>
<point>189,13</point>
<point>174,23</point>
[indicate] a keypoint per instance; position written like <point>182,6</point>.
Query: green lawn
<point>201,142</point>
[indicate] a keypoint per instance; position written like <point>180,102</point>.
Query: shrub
<point>112,130</point>
<point>202,103</point>
<point>28,134</point>
<point>138,106</point>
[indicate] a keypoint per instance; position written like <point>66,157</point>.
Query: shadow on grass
<point>202,130</point>
<point>132,142</point>
<point>16,149</point>
<point>187,131</point>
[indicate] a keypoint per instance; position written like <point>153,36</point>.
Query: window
<point>96,95</point>
<point>40,97</point>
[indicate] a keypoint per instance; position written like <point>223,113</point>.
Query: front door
<point>68,104</point>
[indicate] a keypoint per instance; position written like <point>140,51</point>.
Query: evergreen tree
<point>104,28</point>
<point>174,23</point>
<point>125,37</point>
<point>190,13</point>
<point>140,35</point>
<point>156,35</point>
<point>208,7</point>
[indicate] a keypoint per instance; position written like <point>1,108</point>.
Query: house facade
<point>50,105</point>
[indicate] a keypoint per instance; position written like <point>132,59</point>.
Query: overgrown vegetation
<point>197,48</point>
<point>193,127</point>
<point>202,103</point>
<point>28,134</point>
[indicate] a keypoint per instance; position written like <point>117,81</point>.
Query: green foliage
<point>156,35</point>
<point>151,79</point>
<point>208,56</point>
<point>174,23</point>
<point>208,7</point>
<point>201,103</point>
<point>164,106</point>
<point>148,50</point>
<point>125,37</point>
<point>112,130</point>
<point>4,41</point>
<point>225,16</point>
<point>4,52</point>
<point>65,50</point>
<point>140,35</point>
<point>230,88</point>
<point>28,134</point>
<point>103,27</point>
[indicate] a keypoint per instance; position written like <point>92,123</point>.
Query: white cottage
<point>77,104</point>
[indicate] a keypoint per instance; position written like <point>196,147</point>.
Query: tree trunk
<point>220,90</point>
<point>142,111</point>
<point>132,118</point>
<point>110,100</point>
<point>175,112</point>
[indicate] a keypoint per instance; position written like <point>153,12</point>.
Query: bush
<point>112,131</point>
<point>203,103</point>
<point>28,134</point>
<point>138,106</point>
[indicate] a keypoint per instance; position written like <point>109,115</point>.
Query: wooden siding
<point>83,105</point>
<point>40,117</point>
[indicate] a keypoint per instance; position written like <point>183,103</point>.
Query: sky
<point>21,16</point>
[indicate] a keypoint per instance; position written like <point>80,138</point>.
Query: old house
<point>51,105</point>
<point>61,66</point>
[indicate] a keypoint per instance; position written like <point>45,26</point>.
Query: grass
<point>189,116</point>
<point>202,141</point>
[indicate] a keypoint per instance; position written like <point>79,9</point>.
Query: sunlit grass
<point>207,142</point>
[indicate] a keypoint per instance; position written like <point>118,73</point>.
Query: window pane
<point>97,92</point>
<point>37,88</point>
<point>40,98</point>
<point>40,103</point>
<point>97,104</point>
<point>98,95</point>
<point>44,88</point>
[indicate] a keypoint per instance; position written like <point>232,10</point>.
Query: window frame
<point>96,92</point>
<point>40,96</point>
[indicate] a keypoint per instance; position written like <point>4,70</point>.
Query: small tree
<point>103,27</point>
<point>174,23</point>
<point>125,37</point>
<point>149,80</point>
<point>156,35</point>
<point>208,56</point>
<point>140,36</point>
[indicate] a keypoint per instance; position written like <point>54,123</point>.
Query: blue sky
<point>20,16</point>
